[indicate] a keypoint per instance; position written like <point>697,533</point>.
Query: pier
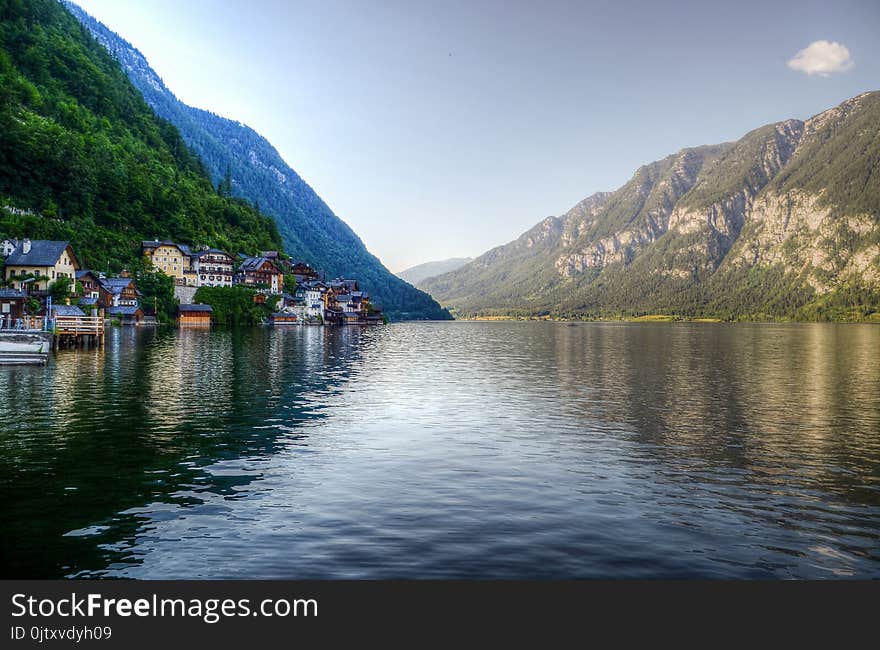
<point>78,332</point>
<point>28,339</point>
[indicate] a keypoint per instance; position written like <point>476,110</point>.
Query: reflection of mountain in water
<point>444,450</point>
<point>99,437</point>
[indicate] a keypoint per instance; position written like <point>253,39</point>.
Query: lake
<point>448,450</point>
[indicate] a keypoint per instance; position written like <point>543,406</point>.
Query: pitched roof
<point>155,243</point>
<point>351,285</point>
<point>88,300</point>
<point>254,264</point>
<point>123,310</point>
<point>214,251</point>
<point>67,310</point>
<point>43,252</point>
<point>204,308</point>
<point>12,294</point>
<point>115,285</point>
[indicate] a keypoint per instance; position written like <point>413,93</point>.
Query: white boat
<point>22,349</point>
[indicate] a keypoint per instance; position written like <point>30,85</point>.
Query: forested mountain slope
<point>83,158</point>
<point>309,228</point>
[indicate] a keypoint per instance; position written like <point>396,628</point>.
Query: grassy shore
<point>657,318</point>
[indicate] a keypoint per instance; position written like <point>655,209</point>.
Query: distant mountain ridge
<point>421,272</point>
<point>781,224</point>
<point>308,227</point>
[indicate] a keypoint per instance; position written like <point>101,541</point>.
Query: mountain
<point>781,224</point>
<point>83,158</point>
<point>310,230</point>
<point>420,272</point>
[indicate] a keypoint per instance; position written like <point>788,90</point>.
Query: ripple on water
<point>438,450</point>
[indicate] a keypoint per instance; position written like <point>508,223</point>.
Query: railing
<point>23,323</point>
<point>76,325</point>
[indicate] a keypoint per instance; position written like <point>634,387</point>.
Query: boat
<point>27,349</point>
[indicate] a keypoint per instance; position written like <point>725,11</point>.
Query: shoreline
<point>664,318</point>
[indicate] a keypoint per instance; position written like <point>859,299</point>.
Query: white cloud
<point>822,58</point>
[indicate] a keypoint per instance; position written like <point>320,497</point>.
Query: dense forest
<point>309,229</point>
<point>83,158</point>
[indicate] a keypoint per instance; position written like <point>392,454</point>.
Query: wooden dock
<point>78,332</point>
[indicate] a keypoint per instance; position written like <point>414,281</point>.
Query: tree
<point>60,289</point>
<point>157,293</point>
<point>226,183</point>
<point>235,305</point>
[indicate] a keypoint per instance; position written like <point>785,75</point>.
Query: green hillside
<point>309,229</point>
<point>781,224</point>
<point>82,157</point>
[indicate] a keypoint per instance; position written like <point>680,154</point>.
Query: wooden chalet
<point>194,315</point>
<point>117,292</point>
<point>260,272</point>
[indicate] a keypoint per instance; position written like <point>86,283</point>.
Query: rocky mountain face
<point>421,272</point>
<point>783,223</point>
<point>308,227</point>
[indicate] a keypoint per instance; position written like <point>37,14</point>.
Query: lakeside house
<point>117,292</point>
<point>126,314</point>
<point>260,272</point>
<point>90,283</point>
<point>12,302</point>
<point>32,265</point>
<point>170,258</point>
<point>40,262</point>
<point>194,315</point>
<point>213,268</point>
<point>303,273</point>
<point>338,302</point>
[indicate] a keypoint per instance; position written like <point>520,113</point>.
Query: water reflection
<point>448,449</point>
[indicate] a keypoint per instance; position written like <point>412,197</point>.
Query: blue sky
<point>442,128</point>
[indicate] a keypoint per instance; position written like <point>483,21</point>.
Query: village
<point>44,288</point>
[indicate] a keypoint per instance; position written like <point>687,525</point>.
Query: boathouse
<point>194,315</point>
<point>126,314</point>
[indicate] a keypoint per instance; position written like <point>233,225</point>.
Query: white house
<point>213,268</point>
<point>6,247</point>
<point>314,298</point>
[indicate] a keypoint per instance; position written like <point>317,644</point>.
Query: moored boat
<point>26,349</point>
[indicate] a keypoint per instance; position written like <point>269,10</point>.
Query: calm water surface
<point>448,450</point>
